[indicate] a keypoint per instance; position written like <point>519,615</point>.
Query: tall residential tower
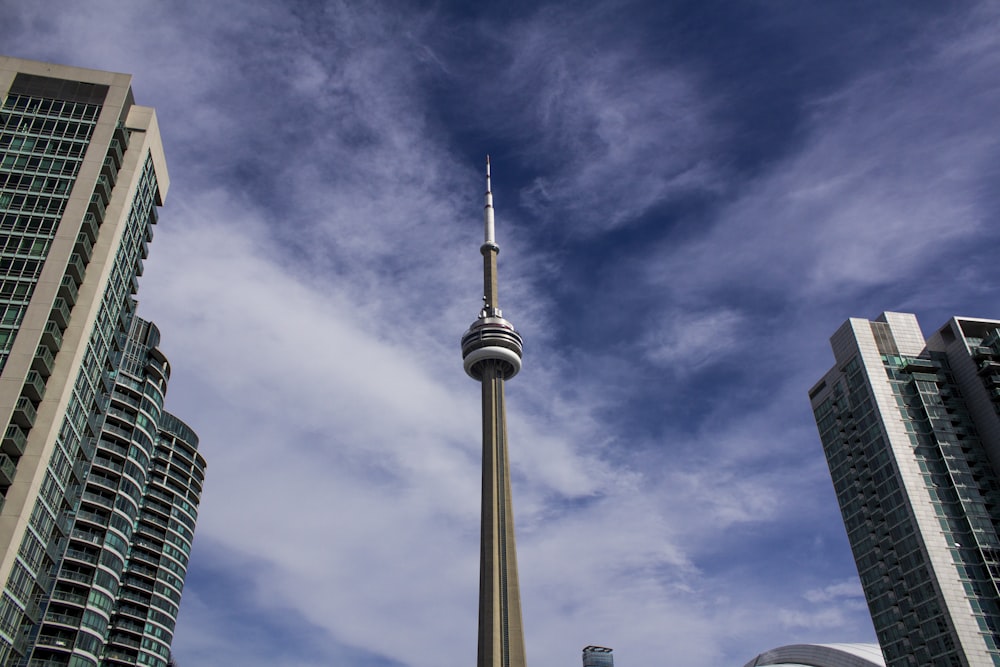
<point>911,430</point>
<point>598,656</point>
<point>491,350</point>
<point>82,173</point>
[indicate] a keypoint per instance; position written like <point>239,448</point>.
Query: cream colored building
<point>82,173</point>
<point>911,431</point>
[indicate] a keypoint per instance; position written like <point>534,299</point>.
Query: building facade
<point>82,173</point>
<point>598,656</point>
<point>911,432</point>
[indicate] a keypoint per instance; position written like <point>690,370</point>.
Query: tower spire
<point>488,212</point>
<point>491,350</point>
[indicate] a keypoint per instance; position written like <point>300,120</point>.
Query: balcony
<point>32,611</point>
<point>115,152</point>
<point>69,598</point>
<point>92,517</point>
<point>68,290</point>
<point>133,611</point>
<point>80,577</point>
<point>120,139</point>
<point>134,597</point>
<point>60,313</point>
<point>129,626</point>
<point>123,640</point>
<point>14,441</point>
<point>7,470</point>
<point>110,171</point>
<point>34,386</point>
<point>43,361</point>
<point>54,549</point>
<point>84,248</point>
<point>97,208</point>
<point>97,499</point>
<point>103,188</point>
<point>52,337</point>
<point>90,227</point>
<point>54,641</point>
<point>81,555</point>
<point>107,464</point>
<point>76,267</point>
<point>147,557</point>
<point>24,413</point>
<point>62,619</point>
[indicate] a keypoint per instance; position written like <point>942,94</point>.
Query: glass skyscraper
<point>598,656</point>
<point>100,486</point>
<point>911,430</point>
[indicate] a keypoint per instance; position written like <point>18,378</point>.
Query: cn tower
<point>491,350</point>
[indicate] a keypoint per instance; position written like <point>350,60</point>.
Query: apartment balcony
<point>70,598</point>
<point>97,208</point>
<point>62,619</point>
<point>81,556</point>
<point>79,577</point>
<point>14,441</point>
<point>124,640</point>
<point>110,171</point>
<point>100,520</point>
<point>90,227</point>
<point>142,571</point>
<point>57,641</point>
<point>918,365</point>
<point>7,470</point>
<point>68,290</point>
<point>115,152</point>
<point>32,611</point>
<point>988,366</point>
<point>52,337</point>
<point>138,583</point>
<point>133,611</point>
<point>134,597</point>
<point>34,386</point>
<point>97,499</point>
<point>111,429</point>
<point>44,361</point>
<point>84,248</point>
<point>107,464</point>
<point>76,267</point>
<point>55,548</point>
<point>147,557</point>
<point>103,188</point>
<point>24,413</point>
<point>129,626</point>
<point>120,139</point>
<point>60,313</point>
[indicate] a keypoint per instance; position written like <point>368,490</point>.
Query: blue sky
<point>691,197</point>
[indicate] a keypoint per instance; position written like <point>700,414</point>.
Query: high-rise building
<point>99,485</point>
<point>491,350</point>
<point>598,656</point>
<point>911,431</point>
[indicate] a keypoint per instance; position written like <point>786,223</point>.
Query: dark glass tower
<point>491,350</point>
<point>598,656</point>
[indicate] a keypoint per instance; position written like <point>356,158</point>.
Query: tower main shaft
<point>491,350</point>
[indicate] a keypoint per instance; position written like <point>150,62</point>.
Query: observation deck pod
<point>491,339</point>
